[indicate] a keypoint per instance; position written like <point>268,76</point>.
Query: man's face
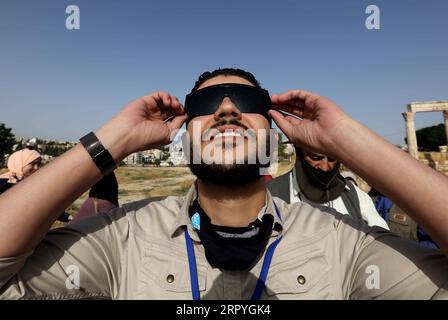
<point>228,135</point>
<point>320,161</point>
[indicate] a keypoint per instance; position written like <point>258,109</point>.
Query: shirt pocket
<point>300,274</point>
<point>165,273</point>
<point>401,224</point>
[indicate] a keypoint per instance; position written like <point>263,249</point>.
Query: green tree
<point>7,141</point>
<point>430,138</point>
<point>282,156</point>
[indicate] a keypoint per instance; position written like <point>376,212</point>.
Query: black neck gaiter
<point>232,248</point>
<point>318,186</point>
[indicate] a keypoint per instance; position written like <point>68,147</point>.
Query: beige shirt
<point>138,251</point>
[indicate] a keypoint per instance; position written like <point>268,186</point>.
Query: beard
<point>229,175</point>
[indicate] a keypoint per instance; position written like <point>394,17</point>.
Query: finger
<point>177,122</point>
<point>166,98</point>
<point>289,109</point>
<point>162,98</point>
<point>175,102</point>
<point>176,105</point>
<point>146,106</point>
<point>292,97</point>
<point>294,94</point>
<point>162,103</point>
<point>287,103</point>
<point>281,122</point>
<point>173,109</point>
<point>293,121</point>
<point>170,103</point>
<point>154,101</point>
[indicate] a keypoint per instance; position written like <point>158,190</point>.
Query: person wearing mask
<point>315,179</point>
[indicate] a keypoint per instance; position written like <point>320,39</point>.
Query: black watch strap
<point>99,154</point>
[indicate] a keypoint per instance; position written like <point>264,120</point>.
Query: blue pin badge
<point>196,221</point>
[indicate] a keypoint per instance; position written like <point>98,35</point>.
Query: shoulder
<point>153,216</point>
<point>151,208</point>
<point>363,196</point>
<point>312,223</point>
<point>137,217</point>
<point>306,219</point>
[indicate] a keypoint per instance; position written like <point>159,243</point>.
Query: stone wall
<point>436,160</point>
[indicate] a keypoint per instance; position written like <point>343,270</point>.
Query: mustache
<point>224,122</point>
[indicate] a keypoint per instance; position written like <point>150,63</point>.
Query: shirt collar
<point>183,219</point>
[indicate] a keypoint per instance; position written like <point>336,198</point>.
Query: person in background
<point>399,221</point>
<point>382,203</point>
<point>315,179</point>
<point>21,164</point>
<point>103,196</point>
<point>349,176</point>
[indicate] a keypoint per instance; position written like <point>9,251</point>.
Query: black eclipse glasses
<point>247,99</point>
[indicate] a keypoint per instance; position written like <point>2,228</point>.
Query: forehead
<point>37,160</point>
<point>311,154</point>
<point>224,79</point>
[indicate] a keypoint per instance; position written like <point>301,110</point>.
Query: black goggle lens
<point>247,99</point>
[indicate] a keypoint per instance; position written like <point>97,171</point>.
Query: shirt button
<point>301,279</point>
<point>170,278</point>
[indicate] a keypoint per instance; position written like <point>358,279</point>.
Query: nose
<point>324,165</point>
<point>227,109</point>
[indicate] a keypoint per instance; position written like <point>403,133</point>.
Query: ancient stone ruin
<point>437,160</point>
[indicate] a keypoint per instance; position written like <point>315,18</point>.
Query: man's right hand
<point>141,125</point>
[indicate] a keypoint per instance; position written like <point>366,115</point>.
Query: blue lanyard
<point>263,273</point>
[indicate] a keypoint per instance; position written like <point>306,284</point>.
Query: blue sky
<point>56,83</point>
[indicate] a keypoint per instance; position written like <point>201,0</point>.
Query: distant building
<point>151,155</point>
<point>174,156</point>
<point>177,157</point>
<point>134,159</point>
<point>46,158</point>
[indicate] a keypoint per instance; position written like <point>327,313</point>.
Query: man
<point>171,249</point>
<point>315,179</point>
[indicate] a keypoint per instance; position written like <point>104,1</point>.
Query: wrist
<point>115,141</point>
<point>342,135</point>
<point>99,154</point>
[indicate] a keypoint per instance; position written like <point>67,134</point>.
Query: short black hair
<point>226,72</point>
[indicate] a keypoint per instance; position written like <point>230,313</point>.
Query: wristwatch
<point>99,154</point>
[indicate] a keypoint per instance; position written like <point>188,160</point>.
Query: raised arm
<point>415,187</point>
<point>28,210</point>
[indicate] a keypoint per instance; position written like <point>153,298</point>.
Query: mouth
<point>226,132</point>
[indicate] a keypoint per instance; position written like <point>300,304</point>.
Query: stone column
<point>445,117</point>
<point>410,133</point>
